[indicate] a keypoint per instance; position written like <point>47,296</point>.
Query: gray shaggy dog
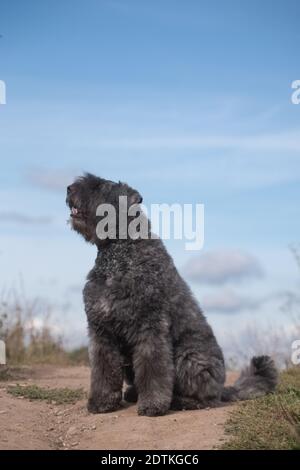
<point>144,324</point>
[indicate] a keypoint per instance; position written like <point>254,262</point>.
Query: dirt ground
<point>35,424</point>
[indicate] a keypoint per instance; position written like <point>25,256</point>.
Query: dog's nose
<point>70,189</point>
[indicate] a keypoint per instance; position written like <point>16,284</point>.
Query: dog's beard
<point>86,228</point>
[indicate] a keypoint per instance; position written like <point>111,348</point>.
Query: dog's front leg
<point>106,374</point>
<point>154,374</point>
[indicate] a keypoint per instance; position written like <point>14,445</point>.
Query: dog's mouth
<point>76,213</point>
<point>75,206</point>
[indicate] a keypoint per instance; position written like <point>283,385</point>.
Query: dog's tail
<point>258,379</point>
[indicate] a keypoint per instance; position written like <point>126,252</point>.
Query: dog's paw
<point>98,405</point>
<point>146,408</point>
<point>131,394</point>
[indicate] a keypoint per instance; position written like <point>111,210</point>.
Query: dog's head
<point>87,194</point>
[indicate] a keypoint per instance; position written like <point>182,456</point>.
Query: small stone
<point>71,431</point>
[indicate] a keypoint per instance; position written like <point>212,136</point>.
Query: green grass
<point>59,396</point>
<point>271,422</point>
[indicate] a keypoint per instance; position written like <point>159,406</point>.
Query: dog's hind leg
<point>190,403</point>
<point>199,381</point>
<point>185,403</point>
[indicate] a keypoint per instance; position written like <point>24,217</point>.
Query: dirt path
<point>28,424</point>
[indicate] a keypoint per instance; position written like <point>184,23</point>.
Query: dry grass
<point>29,341</point>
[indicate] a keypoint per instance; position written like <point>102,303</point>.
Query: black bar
<point>135,459</point>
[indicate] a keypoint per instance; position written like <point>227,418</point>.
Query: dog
<point>145,326</point>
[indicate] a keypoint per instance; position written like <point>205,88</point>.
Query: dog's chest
<point>109,304</point>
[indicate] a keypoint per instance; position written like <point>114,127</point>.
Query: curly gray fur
<point>145,326</point>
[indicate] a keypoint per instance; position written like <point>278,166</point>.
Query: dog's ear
<point>133,196</point>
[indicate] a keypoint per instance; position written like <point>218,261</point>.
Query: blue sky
<point>187,101</point>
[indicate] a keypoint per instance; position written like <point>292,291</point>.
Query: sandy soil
<point>28,424</point>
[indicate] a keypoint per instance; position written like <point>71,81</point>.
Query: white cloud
<point>39,324</point>
<point>219,267</point>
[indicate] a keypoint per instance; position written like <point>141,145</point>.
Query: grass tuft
<point>59,396</point>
